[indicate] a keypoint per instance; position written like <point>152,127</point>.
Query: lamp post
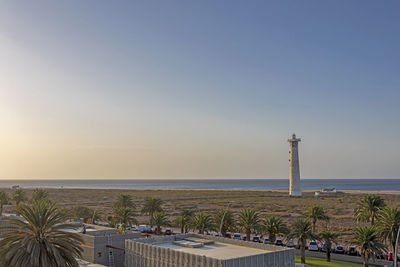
<point>223,217</point>
<point>396,248</point>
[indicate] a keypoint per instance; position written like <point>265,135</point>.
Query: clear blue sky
<point>199,89</point>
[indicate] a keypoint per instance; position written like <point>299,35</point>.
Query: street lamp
<point>396,247</point>
<point>223,217</point>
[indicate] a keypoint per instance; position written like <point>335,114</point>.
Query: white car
<point>313,246</point>
<point>237,236</point>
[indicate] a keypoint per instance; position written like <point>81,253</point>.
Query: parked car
<point>313,246</point>
<point>390,256</point>
<point>352,251</point>
<point>142,228</point>
<point>279,242</point>
<point>339,249</point>
<point>228,235</point>
<point>168,231</point>
<point>244,238</point>
<point>256,239</point>
<point>266,241</point>
<point>237,236</point>
<point>290,244</point>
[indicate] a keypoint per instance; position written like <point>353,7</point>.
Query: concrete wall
<point>142,253</point>
<point>96,251</point>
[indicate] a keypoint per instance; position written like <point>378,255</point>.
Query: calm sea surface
<point>233,184</point>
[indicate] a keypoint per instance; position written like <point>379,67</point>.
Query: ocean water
<point>228,184</point>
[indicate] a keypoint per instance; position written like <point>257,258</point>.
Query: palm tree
<point>152,205</point>
<point>367,239</point>
<point>328,237</point>
<point>160,219</point>
<point>274,226</point>
<point>125,216</point>
<point>388,224</point>
<point>316,213</point>
<point>302,230</point>
<point>202,222</point>
<point>82,212</point>
<point>19,196</point>
<point>184,219</point>
<point>41,240</point>
<point>225,219</point>
<point>368,207</point>
<point>249,221</point>
<point>39,194</point>
<point>124,201</point>
<point>4,200</point>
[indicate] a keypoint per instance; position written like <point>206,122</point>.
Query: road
<point>344,257</point>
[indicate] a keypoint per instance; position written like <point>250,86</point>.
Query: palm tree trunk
<point>1,209</point>
<point>372,220</point>
<point>16,208</point>
<point>151,219</point>
<point>328,255</point>
<point>248,233</point>
<point>303,251</point>
<point>272,238</point>
<point>182,227</point>
<point>314,225</point>
<point>365,260</point>
<point>223,232</point>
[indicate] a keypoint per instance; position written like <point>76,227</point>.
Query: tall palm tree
<point>202,222</point>
<point>152,205</point>
<point>302,230</point>
<point>125,216</point>
<point>367,239</point>
<point>160,219</point>
<point>328,237</point>
<point>184,219</point>
<point>39,194</point>
<point>225,219</point>
<point>388,224</point>
<point>249,221</point>
<point>4,200</point>
<point>368,207</point>
<point>41,240</point>
<point>316,213</point>
<point>274,226</point>
<point>19,196</point>
<point>124,201</point>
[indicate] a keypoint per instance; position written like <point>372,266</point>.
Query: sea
<point>217,184</point>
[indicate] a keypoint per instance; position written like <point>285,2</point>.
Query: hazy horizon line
<point>156,179</point>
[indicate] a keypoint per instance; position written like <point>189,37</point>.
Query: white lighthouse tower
<point>294,188</point>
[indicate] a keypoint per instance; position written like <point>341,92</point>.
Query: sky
<point>199,89</point>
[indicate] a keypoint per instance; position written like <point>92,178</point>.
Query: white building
<point>193,250</point>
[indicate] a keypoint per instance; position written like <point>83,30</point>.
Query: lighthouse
<point>294,187</point>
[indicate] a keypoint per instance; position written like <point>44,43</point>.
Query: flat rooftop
<point>221,251</point>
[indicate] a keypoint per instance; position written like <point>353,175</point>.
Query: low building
<point>106,246</point>
<point>193,250</point>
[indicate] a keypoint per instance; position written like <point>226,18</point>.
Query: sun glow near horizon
<point>150,94</point>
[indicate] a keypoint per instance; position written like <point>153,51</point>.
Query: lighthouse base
<point>295,194</point>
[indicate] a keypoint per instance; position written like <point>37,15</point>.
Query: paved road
<point>344,257</point>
